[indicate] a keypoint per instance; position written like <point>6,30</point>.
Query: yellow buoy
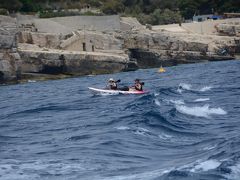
<point>161,70</point>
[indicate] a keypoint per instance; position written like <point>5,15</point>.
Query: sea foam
<point>156,101</point>
<point>123,128</point>
<point>206,165</point>
<point>202,99</point>
<point>235,172</point>
<point>188,87</point>
<point>183,86</point>
<point>178,102</point>
<point>164,136</point>
<point>200,111</point>
<point>206,88</point>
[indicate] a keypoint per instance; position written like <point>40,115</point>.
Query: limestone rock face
<point>229,29</point>
<point>130,23</point>
<point>9,58</point>
<point>155,48</point>
<point>77,63</point>
<point>67,46</point>
<point>7,41</point>
<point>41,39</point>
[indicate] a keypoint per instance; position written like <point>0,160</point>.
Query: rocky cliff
<point>229,29</point>
<point>10,68</point>
<point>31,49</point>
<point>152,49</point>
<point>73,63</point>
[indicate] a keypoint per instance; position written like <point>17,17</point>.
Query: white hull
<point>114,92</point>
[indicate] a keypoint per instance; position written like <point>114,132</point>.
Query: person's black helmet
<point>137,80</point>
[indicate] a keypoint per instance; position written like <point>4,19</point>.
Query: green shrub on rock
<point>165,17</point>
<point>4,12</point>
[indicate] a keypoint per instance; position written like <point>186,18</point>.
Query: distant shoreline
<point>85,45</point>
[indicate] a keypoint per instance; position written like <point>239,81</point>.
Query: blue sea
<point>186,128</point>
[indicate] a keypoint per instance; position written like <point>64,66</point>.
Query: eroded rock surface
<point>60,46</point>
<point>10,64</point>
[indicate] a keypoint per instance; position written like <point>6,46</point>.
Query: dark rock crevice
<point>55,69</point>
<point>1,77</point>
<point>149,59</point>
<point>52,70</point>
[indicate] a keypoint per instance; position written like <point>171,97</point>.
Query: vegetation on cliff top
<point>147,11</point>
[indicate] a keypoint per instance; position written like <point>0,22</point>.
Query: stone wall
<point>40,39</point>
<point>97,23</point>
<point>91,41</point>
<point>207,27</point>
<point>66,25</point>
<point>130,23</point>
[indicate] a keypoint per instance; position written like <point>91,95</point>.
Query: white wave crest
<point>164,136</point>
<point>141,131</point>
<point>179,102</point>
<point>20,170</point>
<point>123,128</point>
<point>107,93</point>
<point>188,87</point>
<point>209,148</point>
<point>183,86</point>
<point>235,174</point>
<point>142,175</point>
<point>31,81</point>
<point>206,165</point>
<point>206,88</point>
<point>201,111</point>
<point>202,99</point>
<point>156,101</point>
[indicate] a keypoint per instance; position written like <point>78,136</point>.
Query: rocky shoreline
<point>29,49</point>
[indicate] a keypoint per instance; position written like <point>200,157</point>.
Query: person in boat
<point>112,84</point>
<point>138,86</point>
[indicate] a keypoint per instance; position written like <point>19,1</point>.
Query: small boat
<point>114,92</point>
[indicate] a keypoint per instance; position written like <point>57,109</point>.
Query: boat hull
<point>114,92</point>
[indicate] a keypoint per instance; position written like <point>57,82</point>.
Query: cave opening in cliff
<point>144,58</point>
<point>52,70</point>
<point>149,59</point>
<point>1,76</point>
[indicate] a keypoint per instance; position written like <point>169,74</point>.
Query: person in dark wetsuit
<point>138,85</point>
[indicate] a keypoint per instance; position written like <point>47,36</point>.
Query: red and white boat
<point>115,92</point>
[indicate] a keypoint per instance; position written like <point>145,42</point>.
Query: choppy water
<point>187,127</point>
